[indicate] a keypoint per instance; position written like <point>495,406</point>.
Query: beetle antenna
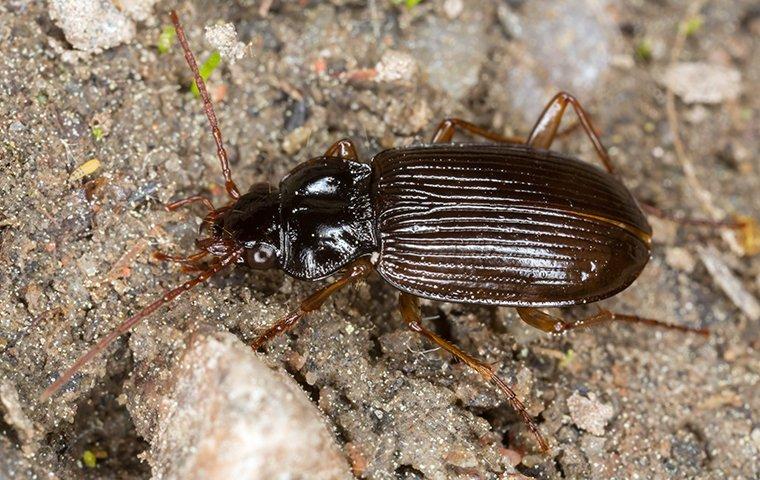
<point>127,324</point>
<point>221,152</point>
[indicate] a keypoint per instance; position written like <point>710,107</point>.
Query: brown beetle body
<point>504,225</point>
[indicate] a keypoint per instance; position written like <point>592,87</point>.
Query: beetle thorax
<point>326,217</point>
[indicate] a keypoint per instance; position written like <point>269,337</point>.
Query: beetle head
<point>251,223</point>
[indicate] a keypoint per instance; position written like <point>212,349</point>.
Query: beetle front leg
<point>189,201</point>
<point>409,308</point>
<point>551,324</point>
<point>355,272</point>
<point>446,129</point>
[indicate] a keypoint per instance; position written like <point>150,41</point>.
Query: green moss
<point>166,39</point>
<point>206,69</point>
<point>89,459</point>
<point>97,132</point>
<point>569,355</point>
<point>691,26</point>
<point>408,3</point>
<point>643,50</point>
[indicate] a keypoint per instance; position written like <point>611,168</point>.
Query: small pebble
<point>589,413</point>
<point>702,82</point>
<point>395,66</point>
<point>295,140</point>
<point>563,45</point>
<point>755,435</point>
<point>453,8</point>
<point>453,53</point>
<point>224,38</point>
<point>680,259</point>
<point>91,25</point>
<point>16,127</point>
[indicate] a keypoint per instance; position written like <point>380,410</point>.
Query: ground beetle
<point>508,223</point>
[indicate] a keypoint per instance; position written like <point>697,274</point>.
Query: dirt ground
<point>615,401</point>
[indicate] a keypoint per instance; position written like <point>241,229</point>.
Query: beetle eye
<point>261,257</point>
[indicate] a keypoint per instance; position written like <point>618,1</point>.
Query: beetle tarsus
<point>551,324</point>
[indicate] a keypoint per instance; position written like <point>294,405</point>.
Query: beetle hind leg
<point>551,324</point>
<point>408,305</point>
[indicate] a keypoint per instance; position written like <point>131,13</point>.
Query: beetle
<point>508,223</point>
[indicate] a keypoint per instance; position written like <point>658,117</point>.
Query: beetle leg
<point>551,324</point>
<point>190,200</point>
<point>358,270</point>
<point>189,264</point>
<point>546,127</point>
<point>408,305</point>
<point>448,127</point>
<point>342,149</point>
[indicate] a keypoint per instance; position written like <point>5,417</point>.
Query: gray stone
<point>451,53</point>
<point>563,45</point>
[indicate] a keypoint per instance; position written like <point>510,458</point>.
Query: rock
<point>563,45</point>
<point>452,52</point>
<point>224,38</point>
<point>509,21</point>
<point>680,259</point>
<point>453,8</point>
<point>395,66</point>
<point>226,414</point>
<point>16,127</point>
<point>295,140</point>
<point>702,82</point>
<point>91,25</point>
<point>138,10</point>
<point>15,417</point>
<point>589,413</point>
<point>755,436</point>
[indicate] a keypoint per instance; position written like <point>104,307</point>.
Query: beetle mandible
<point>509,223</point>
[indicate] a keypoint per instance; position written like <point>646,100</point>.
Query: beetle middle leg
<point>408,305</point>
<point>551,324</point>
<point>358,270</point>
<point>545,130</point>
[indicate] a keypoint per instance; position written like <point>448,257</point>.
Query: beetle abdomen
<point>504,224</point>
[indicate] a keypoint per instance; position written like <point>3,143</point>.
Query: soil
<point>75,250</point>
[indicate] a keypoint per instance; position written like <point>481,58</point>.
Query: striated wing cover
<point>505,225</point>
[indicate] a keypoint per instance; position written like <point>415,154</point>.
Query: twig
<point>705,198</point>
